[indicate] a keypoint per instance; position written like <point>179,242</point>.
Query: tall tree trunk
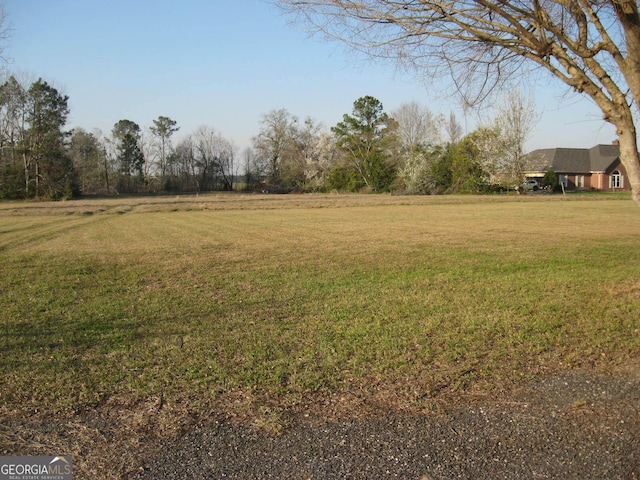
<point>25,162</point>
<point>37,177</point>
<point>106,173</point>
<point>629,156</point>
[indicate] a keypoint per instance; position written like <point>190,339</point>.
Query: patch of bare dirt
<point>578,424</point>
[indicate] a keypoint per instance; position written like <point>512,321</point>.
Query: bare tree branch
<point>593,46</point>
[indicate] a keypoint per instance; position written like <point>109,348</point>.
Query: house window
<point>564,180</point>
<point>579,181</point>
<point>616,179</point>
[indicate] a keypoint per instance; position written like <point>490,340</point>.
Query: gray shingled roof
<point>602,156</point>
<point>573,160</point>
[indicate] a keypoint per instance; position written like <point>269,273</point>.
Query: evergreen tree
<point>129,154</point>
<point>368,139</point>
<point>44,143</point>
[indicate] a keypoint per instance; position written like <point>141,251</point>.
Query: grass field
<point>264,304</point>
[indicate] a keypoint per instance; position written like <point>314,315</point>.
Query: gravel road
<point>574,426</point>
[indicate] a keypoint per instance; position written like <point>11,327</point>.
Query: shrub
<point>550,180</point>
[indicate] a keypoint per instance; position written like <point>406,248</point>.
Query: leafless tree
<point>453,129</point>
<point>106,167</point>
<point>274,142</point>
<point>12,117</point>
<point>417,125</point>
<point>515,118</point>
<point>162,130</point>
<point>149,169</point>
<point>183,165</point>
<point>252,168</point>
<point>305,155</point>
<point>593,46</point>
<point>226,162</point>
<point>418,130</point>
<point>215,157</point>
<point>5,33</point>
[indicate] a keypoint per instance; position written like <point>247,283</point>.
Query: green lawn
<point>271,302</point>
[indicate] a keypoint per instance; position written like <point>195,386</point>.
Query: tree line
<point>410,150</point>
<point>591,47</point>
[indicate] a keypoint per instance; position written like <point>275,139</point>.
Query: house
<point>596,168</point>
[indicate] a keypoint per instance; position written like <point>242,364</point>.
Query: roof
<point>570,160</point>
<point>602,156</point>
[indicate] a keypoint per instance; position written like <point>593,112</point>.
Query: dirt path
<point>573,426</point>
<point>578,425</point>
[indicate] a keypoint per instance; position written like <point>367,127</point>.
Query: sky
<point>225,63</point>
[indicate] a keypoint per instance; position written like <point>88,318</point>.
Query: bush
<point>343,179</point>
<point>12,182</point>
<point>550,180</point>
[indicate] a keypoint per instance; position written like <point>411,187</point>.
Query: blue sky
<point>224,63</point>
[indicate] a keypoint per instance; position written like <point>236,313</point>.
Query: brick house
<point>596,168</point>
